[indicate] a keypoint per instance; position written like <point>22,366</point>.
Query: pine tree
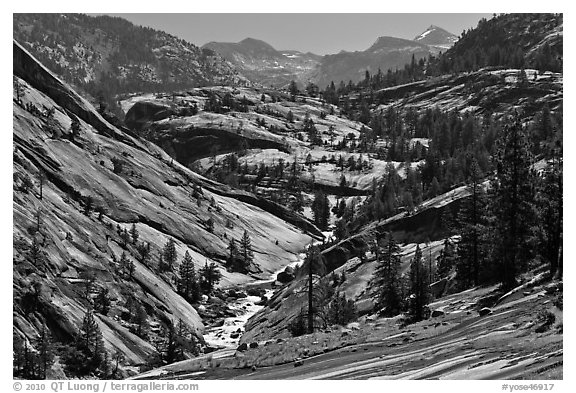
<point>210,276</point>
<point>512,202</point>
<point>88,204</point>
<point>293,89</point>
<point>187,284</point>
<point>246,252</point>
<point>386,276</point>
<point>125,237</point>
<point>41,181</point>
<point>126,266</point>
<point>102,301</point>
<point>549,203</point>
<point>445,260</point>
<point>313,260</point>
<point>88,355</point>
<point>143,253</point>
<point>434,188</point>
<point>35,252</point>
<point>140,318</point>
<point>321,210</point>
<point>471,220</point>
<point>134,234</point>
<point>45,352</point>
<point>341,310</point>
<point>233,256</point>
<point>419,290</point>
<point>169,253</point>
<point>175,342</point>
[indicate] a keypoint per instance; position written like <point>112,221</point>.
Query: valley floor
<point>512,342</point>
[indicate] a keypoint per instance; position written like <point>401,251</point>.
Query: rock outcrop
<point>79,183</point>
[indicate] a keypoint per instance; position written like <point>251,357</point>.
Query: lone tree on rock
<point>187,284</point>
<point>246,250</point>
<point>169,253</point>
<point>134,233</point>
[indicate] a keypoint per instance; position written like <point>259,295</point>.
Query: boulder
<point>553,287</point>
<point>242,347</point>
<point>353,326</point>
<point>147,111</point>
<point>437,313</point>
<point>286,275</point>
<point>298,362</point>
<point>484,311</point>
<point>260,292</point>
<point>234,335</point>
<point>254,345</point>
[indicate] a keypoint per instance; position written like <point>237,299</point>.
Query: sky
<point>318,33</point>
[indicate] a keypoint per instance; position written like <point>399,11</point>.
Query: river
<point>228,335</point>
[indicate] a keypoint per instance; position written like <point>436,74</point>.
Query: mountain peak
<point>256,43</point>
<point>390,43</point>
<point>436,36</point>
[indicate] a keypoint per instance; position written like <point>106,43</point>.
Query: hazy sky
<point>318,33</point>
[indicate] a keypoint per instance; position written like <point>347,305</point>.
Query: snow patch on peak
<point>424,34</point>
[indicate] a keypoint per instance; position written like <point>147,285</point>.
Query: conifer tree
<point>313,260</point>
<point>445,260</point>
<point>549,203</point>
<point>187,284</point>
<point>246,250</point>
<point>471,221</point>
<point>35,251</point>
<point>45,351</point>
<point>140,318</point>
<point>233,256</point>
<point>386,277</point>
<point>210,276</point>
<point>512,202</point>
<point>125,237</point>
<point>88,355</point>
<point>127,267</point>
<point>102,301</point>
<point>321,210</point>
<point>169,253</point>
<point>419,291</point>
<point>134,234</point>
<point>175,341</point>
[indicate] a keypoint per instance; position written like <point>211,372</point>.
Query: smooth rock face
<point>150,191</point>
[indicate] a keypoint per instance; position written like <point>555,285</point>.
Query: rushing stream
<point>228,335</point>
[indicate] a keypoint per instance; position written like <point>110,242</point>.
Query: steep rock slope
<point>84,198</point>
